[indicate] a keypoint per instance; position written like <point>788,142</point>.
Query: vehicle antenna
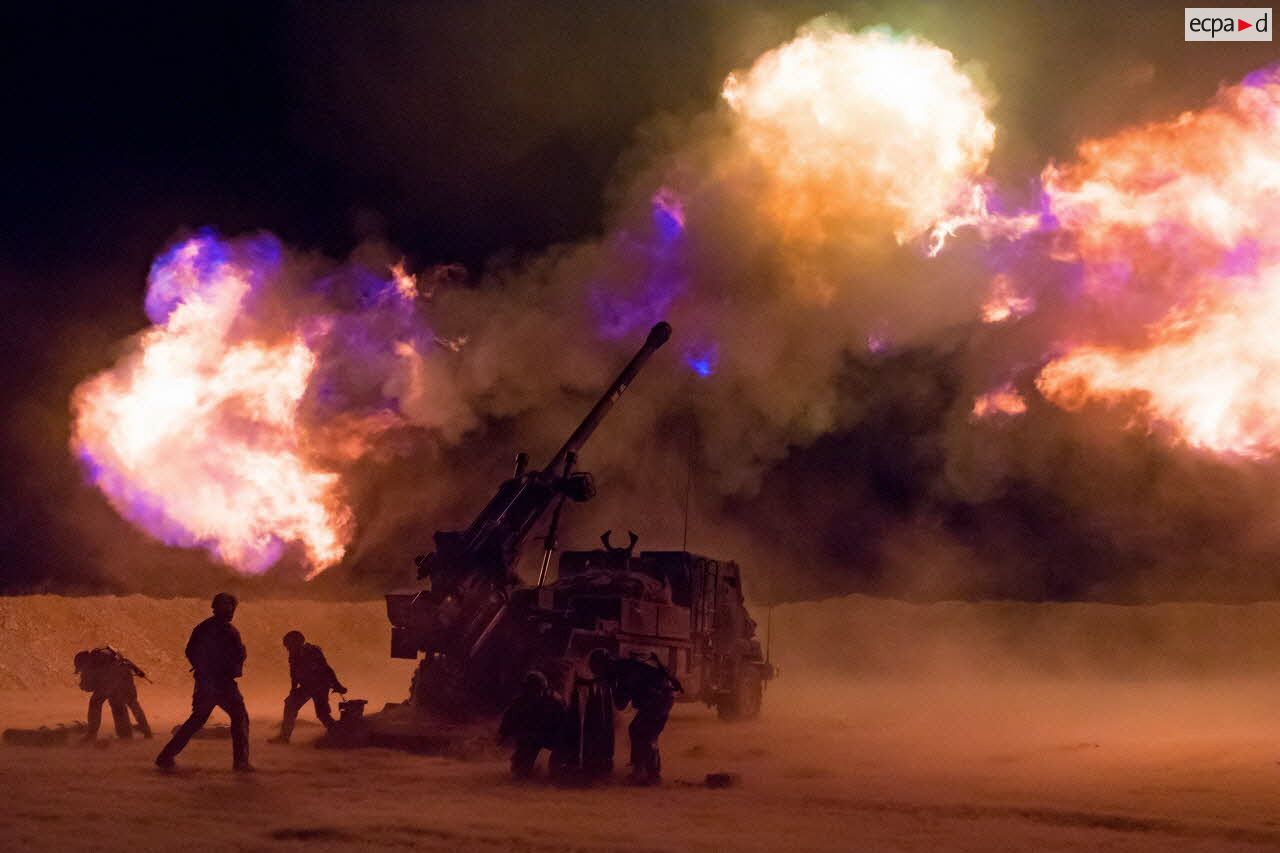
<point>688,484</point>
<point>768,640</point>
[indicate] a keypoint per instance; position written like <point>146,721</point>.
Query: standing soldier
<point>651,690</point>
<point>532,721</point>
<point>311,679</point>
<point>108,676</point>
<point>217,659</point>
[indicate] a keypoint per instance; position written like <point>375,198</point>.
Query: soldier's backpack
<point>91,664</point>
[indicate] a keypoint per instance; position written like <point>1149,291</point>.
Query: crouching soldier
<point>533,720</point>
<point>648,687</point>
<point>311,680</point>
<point>108,676</point>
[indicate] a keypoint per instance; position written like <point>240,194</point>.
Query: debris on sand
<point>59,735</point>
<point>412,729</point>
<point>311,833</point>
<point>723,780</point>
<point>218,732</point>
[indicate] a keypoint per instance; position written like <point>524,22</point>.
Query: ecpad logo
<point>1227,24</point>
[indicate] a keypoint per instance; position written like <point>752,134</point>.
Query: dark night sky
<point>458,131</point>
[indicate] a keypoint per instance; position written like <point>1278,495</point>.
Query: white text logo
<point>1227,25</point>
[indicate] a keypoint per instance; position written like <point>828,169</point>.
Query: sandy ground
<point>847,757</point>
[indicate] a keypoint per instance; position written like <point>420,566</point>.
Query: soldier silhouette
<point>648,687</point>
<point>217,658</point>
<point>108,676</point>
<point>311,678</point>
<point>532,721</point>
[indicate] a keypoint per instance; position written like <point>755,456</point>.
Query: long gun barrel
<point>472,571</point>
<point>658,336</point>
<point>491,544</point>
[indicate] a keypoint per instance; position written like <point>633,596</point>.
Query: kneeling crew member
<point>311,680</point>
<point>532,721</point>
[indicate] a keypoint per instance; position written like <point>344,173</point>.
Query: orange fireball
<point>861,132</point>
<point>195,437</point>
<point>1177,225</point>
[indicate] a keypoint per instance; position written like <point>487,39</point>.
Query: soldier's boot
<point>645,763</point>
<point>655,766</point>
<point>524,758</point>
<point>165,759</point>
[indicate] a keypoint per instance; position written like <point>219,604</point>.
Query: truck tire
<point>747,696</point>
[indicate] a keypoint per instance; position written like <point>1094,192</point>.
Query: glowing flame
<point>654,263</point>
<point>668,214</point>
<point>1004,302</point>
<point>1003,400</point>
<point>703,360</point>
<point>1209,375</point>
<point>1177,225</point>
<point>196,439</point>
<point>406,282</point>
<point>989,224</point>
<point>861,132</point>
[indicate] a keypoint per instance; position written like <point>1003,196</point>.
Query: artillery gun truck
<point>478,628</point>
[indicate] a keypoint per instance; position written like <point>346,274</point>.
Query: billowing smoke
<point>879,377</point>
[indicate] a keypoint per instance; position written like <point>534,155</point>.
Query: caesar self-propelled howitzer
<point>480,629</point>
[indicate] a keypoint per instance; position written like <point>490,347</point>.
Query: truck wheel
<point>747,696</point>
